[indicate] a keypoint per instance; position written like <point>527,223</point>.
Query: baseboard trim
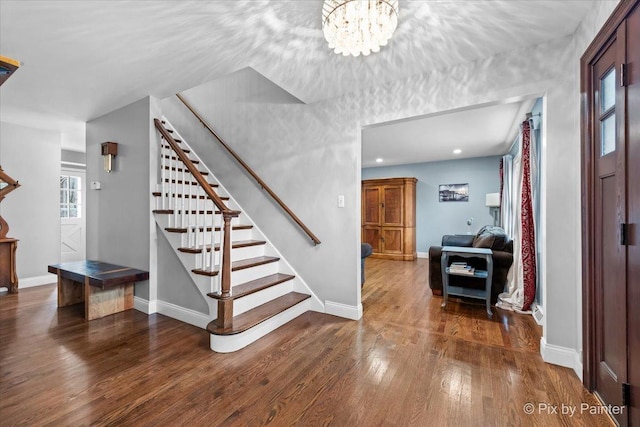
<point>182,314</point>
<point>563,356</point>
<point>423,254</point>
<point>145,306</point>
<point>30,282</point>
<point>352,312</point>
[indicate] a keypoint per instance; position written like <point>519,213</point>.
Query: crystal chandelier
<point>354,27</point>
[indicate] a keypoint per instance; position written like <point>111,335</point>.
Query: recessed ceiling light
<point>378,160</point>
<point>457,151</point>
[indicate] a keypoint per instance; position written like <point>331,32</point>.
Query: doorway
<point>72,215</point>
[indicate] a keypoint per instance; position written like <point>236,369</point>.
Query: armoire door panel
<point>371,235</point>
<point>392,240</point>
<point>392,208</point>
<point>371,206</point>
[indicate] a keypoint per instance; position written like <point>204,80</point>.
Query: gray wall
<point>434,218</point>
<point>32,157</point>
<point>174,284</point>
<point>306,153</point>
<point>74,156</point>
<point>118,215</point>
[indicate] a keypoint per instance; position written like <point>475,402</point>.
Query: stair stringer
<point>299,284</point>
<point>206,284</point>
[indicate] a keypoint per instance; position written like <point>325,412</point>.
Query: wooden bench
<point>103,288</point>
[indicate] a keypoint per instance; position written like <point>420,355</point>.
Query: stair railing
<point>178,199</point>
<point>251,172</point>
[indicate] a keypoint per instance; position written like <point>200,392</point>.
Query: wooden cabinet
<point>8,275</point>
<point>389,217</point>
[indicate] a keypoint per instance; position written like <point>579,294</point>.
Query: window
<point>70,197</point>
<point>608,113</point>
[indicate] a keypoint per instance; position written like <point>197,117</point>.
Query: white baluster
<point>176,206</point>
<point>221,251</point>
<point>197,222</point>
<point>163,174</point>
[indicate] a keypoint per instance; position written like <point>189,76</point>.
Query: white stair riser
<point>230,343</point>
<point>253,273</point>
<point>247,252</point>
<point>187,239</point>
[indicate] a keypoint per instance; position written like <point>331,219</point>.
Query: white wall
<point>311,153</point>
<point>32,157</point>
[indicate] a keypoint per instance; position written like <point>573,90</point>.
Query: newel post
<point>225,303</point>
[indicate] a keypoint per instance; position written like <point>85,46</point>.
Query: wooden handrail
<point>225,304</point>
<point>194,171</point>
<point>251,172</point>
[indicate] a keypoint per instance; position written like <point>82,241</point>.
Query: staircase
<point>249,288</point>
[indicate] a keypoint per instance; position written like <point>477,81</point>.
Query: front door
<point>72,215</point>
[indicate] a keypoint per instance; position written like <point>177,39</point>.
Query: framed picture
<point>454,192</point>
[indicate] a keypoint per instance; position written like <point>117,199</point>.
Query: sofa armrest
<point>460,240</point>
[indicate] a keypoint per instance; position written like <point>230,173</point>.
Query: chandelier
<point>354,27</point>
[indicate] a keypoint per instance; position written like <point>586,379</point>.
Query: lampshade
<point>355,27</point>
<point>492,200</point>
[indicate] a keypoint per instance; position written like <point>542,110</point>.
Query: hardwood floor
<point>406,362</point>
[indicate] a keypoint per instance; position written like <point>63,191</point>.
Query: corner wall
<point>118,214</point>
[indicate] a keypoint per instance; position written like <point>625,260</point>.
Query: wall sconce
<point>492,201</point>
<point>109,151</point>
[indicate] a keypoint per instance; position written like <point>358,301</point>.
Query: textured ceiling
<point>82,59</point>
<point>480,131</point>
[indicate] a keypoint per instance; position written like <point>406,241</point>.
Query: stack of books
<point>461,268</point>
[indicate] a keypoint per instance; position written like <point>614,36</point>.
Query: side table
<point>487,275</point>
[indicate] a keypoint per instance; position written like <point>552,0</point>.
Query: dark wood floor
<point>405,363</point>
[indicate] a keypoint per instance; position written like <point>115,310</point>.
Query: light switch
<point>95,185</point>
<point>341,201</point>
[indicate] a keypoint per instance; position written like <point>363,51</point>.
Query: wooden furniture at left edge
<point>8,275</point>
<point>389,217</point>
<point>103,288</point>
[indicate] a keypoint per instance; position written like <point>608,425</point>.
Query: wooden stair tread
<point>173,181</point>
<point>259,314</point>
<point>203,173</point>
<point>184,230</point>
<point>248,288</point>
<point>252,262</point>
<point>194,161</point>
<point>170,211</point>
<point>168,147</point>
<point>193,196</point>
<point>234,245</point>
<point>240,265</point>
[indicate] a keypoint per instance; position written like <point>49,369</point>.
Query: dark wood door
<point>611,297</point>
<point>633,211</point>
<point>611,213</point>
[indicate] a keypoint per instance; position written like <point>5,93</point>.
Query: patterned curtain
<point>518,221</point>
<point>528,227</point>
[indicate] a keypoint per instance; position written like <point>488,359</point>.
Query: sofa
<point>490,237</point>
